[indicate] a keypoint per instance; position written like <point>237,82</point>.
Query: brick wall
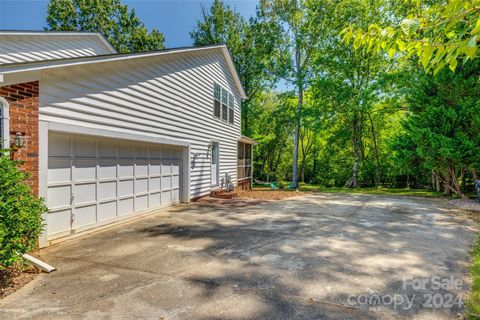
<point>23,103</point>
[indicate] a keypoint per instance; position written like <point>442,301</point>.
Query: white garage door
<point>94,181</point>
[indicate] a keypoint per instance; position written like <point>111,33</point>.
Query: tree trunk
<point>297,120</point>
<point>447,185</point>
<point>302,171</point>
<point>455,186</point>
<point>475,175</point>
<point>378,181</point>
<point>352,182</point>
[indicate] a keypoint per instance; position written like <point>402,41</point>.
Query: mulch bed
<point>15,277</point>
<point>268,194</point>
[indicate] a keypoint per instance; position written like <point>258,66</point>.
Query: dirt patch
<point>15,277</point>
<point>268,194</point>
<point>231,202</point>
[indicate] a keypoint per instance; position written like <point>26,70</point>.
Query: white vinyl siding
<point>17,48</point>
<point>167,97</point>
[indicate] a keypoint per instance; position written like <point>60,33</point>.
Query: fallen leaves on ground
<point>14,277</point>
<point>268,194</point>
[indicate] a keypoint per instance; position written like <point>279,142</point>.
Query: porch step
<point>222,194</point>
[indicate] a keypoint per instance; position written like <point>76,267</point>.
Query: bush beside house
<point>20,213</point>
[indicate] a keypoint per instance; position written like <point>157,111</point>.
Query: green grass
<point>384,191</point>
<point>473,303</point>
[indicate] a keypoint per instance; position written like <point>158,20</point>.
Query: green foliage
<point>473,301</point>
<point>20,213</point>
<point>248,45</point>
<point>438,33</point>
<point>442,126</point>
<point>121,26</point>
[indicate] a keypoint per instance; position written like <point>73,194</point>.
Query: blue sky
<point>175,18</point>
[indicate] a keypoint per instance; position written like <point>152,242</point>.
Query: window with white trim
<point>223,104</point>
<point>4,127</point>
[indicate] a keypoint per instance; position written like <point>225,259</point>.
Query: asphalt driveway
<point>321,256</point>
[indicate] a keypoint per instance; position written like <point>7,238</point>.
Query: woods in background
<point>342,113</point>
<point>354,93</point>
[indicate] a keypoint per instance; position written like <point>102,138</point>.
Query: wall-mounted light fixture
<point>210,148</point>
<point>19,140</point>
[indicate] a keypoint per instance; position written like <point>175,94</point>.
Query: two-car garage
<point>93,181</point>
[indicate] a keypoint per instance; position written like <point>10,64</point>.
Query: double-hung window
<point>223,104</point>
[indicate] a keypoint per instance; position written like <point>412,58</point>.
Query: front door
<point>215,158</point>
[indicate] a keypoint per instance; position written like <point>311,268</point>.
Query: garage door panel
<point>141,151</point>
<point>155,167</point>
<point>175,195</point>
<point>166,183</point>
<point>59,145</point>
<point>166,166</point>
<point>141,186</point>
<point>126,150</point>
<point>85,170</point>
<point>166,197</point>
<point>107,169</point>
<point>107,210</point>
<point>107,190</point>
<point>85,193</point>
<point>107,149</point>
<point>125,206</point>
<point>125,188</point>
<point>155,199</point>
<point>175,181</point>
<point>84,216</point>
<point>85,147</point>
<point>141,203</point>
<point>155,152</point>
<point>59,196</point>
<point>177,153</point>
<point>141,168</point>
<point>126,168</point>
<point>91,180</point>
<point>154,184</point>
<point>59,170</point>
<point>58,221</point>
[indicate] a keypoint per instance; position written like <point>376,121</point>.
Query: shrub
<point>20,213</point>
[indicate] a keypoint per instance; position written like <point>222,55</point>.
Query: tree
<point>248,47</point>
<point>439,33</point>
<point>352,78</point>
<point>297,26</point>
<point>441,129</point>
<point>121,26</point>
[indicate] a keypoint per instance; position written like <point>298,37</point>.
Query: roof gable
<point>30,46</point>
<point>66,62</point>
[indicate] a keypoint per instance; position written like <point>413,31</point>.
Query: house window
<point>244,170</point>
<point>230,108</point>
<point>4,127</point>
<point>223,103</point>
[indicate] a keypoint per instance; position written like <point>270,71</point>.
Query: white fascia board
<point>233,71</point>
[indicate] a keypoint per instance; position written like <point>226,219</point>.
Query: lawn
<point>473,302</point>
<point>385,191</point>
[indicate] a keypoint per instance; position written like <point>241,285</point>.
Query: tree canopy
<point>439,33</point>
<point>121,26</point>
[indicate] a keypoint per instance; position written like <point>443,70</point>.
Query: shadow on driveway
<point>323,256</point>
